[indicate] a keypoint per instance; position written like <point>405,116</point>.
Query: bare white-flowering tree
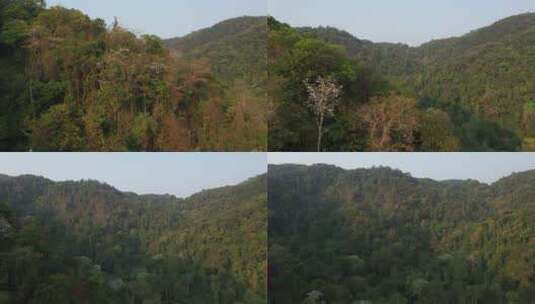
<point>323,96</point>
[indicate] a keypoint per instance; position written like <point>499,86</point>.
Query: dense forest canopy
<point>72,83</point>
<point>236,49</point>
<point>470,93</point>
<point>381,236</point>
<point>87,242</point>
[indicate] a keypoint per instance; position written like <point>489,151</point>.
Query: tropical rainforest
<point>381,236</point>
<point>72,83</point>
<point>87,242</point>
<point>469,93</point>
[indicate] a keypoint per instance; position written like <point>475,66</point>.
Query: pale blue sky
<point>181,174</point>
<point>166,18</point>
<point>406,21</point>
<point>485,167</point>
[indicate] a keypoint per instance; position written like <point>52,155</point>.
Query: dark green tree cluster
<point>70,83</point>
<point>381,236</point>
<point>372,114</point>
<point>86,242</point>
<point>15,20</point>
<point>475,90</point>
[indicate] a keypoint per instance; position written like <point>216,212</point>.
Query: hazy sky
<point>485,167</point>
<point>181,174</point>
<point>166,18</point>
<point>407,21</point>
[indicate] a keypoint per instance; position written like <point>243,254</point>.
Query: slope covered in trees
<point>87,242</point>
<point>70,83</point>
<point>381,236</point>
<point>236,49</point>
<point>478,88</point>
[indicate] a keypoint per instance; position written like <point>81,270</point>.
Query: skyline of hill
<point>479,85</point>
<point>85,85</point>
<point>87,242</point>
<point>139,193</point>
<point>382,236</point>
<point>236,49</point>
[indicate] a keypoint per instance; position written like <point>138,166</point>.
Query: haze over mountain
<point>87,242</point>
<point>180,174</point>
<point>165,18</point>
<point>482,167</point>
<point>412,21</point>
<point>381,236</point>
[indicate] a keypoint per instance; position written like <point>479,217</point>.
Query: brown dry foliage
<point>391,122</point>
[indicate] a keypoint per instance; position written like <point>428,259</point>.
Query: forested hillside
<point>381,236</point>
<point>470,93</point>
<point>236,49</point>
<point>87,242</point>
<point>71,83</point>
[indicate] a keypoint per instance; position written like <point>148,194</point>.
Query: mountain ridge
<point>109,246</point>
<point>342,170</point>
<point>243,23</point>
<point>107,186</point>
<point>479,85</point>
<point>379,236</point>
<point>509,23</point>
<point>236,48</point>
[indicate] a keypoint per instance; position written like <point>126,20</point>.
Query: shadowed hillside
<point>87,242</point>
<point>381,236</point>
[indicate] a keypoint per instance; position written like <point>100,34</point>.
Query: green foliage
<point>236,49</point>
<point>57,130</point>
<point>482,74</point>
<point>86,242</point>
<point>437,132</point>
<point>295,59</point>
<point>123,92</point>
<point>14,32</point>
<point>153,44</point>
<point>528,118</point>
<point>381,236</point>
